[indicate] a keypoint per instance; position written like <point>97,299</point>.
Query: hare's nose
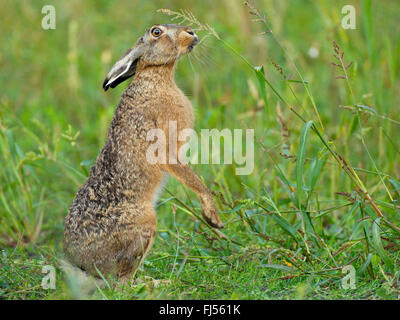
<point>196,38</point>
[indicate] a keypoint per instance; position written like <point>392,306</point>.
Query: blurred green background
<point>54,117</point>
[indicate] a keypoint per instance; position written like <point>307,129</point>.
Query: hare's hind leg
<point>128,269</point>
<point>141,237</point>
<point>127,275</point>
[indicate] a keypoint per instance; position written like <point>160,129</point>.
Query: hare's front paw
<point>209,212</point>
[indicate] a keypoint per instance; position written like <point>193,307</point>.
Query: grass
<point>325,190</point>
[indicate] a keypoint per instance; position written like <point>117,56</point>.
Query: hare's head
<point>160,45</point>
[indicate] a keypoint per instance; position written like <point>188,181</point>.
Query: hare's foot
<point>209,212</point>
<point>125,282</point>
<point>128,280</point>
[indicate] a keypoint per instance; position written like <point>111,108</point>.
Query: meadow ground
<point>326,182</point>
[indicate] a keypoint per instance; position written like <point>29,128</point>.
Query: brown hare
<point>111,223</point>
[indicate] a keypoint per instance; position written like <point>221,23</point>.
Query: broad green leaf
<point>285,225</point>
<point>376,239</point>
<point>261,76</point>
<point>365,264</point>
<point>396,185</point>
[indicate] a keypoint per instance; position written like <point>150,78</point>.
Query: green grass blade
<point>300,161</point>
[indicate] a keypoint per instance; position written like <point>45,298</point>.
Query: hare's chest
<point>179,111</point>
<point>186,115</point>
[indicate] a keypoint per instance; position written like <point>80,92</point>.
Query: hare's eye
<point>156,32</point>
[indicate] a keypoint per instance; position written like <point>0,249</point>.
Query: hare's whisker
<point>191,64</point>
<point>204,58</point>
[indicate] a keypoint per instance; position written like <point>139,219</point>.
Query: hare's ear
<point>123,69</point>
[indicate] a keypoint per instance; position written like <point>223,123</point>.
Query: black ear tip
<point>105,86</point>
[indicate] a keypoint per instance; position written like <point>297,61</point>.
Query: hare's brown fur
<point>111,223</point>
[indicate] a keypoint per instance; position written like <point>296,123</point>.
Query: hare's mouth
<point>195,41</point>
